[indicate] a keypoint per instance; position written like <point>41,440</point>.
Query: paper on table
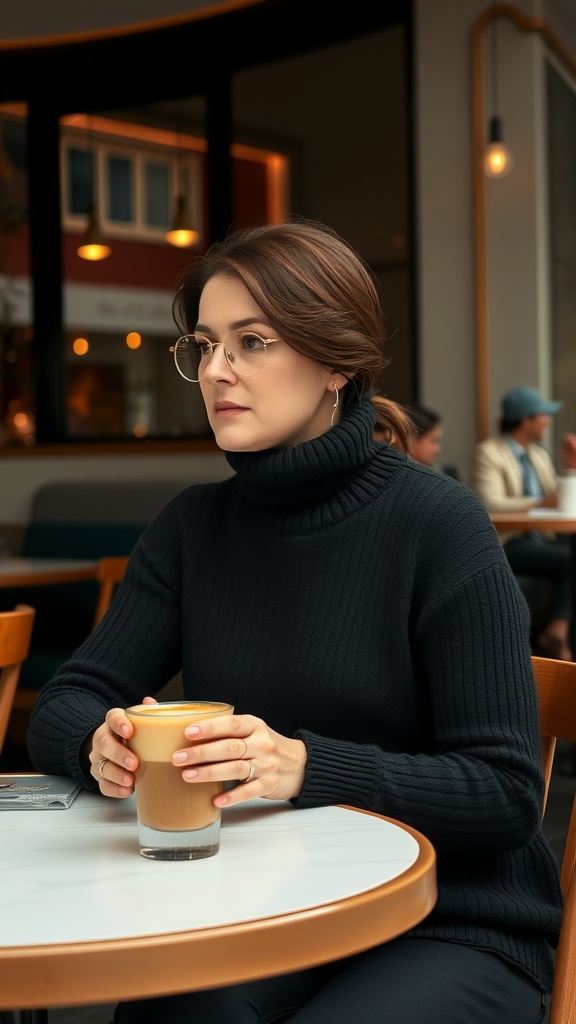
<point>549,513</point>
<point>37,792</point>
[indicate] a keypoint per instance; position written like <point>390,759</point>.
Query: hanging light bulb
<point>93,246</point>
<point>181,233</point>
<point>498,160</point>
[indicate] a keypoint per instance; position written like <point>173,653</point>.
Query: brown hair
<point>393,424</point>
<point>317,294</point>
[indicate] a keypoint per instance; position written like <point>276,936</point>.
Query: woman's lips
<point>228,408</point>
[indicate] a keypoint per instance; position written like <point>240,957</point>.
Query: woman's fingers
<point>242,747</point>
<point>112,763</point>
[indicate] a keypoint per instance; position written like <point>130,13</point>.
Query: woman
<point>426,443</point>
<point>343,598</point>
<point>425,439</point>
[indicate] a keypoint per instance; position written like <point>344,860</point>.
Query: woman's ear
<point>337,380</point>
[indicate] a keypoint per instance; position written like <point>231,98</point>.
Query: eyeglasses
<point>244,351</point>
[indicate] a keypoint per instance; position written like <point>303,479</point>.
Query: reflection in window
<point>80,175</point>
<point>95,400</point>
<point>120,190</point>
<point>157,192</point>
<point>119,377</point>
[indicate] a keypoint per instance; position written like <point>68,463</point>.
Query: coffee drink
<point>176,819</point>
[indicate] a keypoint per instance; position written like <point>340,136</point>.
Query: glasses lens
<point>245,352</point>
<point>187,356</point>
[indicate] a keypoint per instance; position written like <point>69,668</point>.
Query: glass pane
<point>120,189</point>
<point>126,385</point>
<point>157,195</point>
<point>80,172</point>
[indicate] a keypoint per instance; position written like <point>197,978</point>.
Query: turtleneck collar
<point>340,469</point>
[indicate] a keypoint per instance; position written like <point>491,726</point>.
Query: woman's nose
<point>218,368</point>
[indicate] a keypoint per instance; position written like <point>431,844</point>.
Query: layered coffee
<point>176,819</point>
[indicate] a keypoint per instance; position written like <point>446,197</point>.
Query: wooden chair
<point>556,685</point>
<point>109,573</point>
<point>15,635</point>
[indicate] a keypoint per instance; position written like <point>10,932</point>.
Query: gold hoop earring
<point>336,404</point>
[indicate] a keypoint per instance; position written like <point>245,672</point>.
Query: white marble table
<point>84,918</point>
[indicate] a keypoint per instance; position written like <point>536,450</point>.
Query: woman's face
<point>426,447</point>
<point>288,401</point>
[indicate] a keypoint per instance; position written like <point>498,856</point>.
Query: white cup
<point>567,495</point>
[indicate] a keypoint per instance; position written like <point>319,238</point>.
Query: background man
<point>512,473</point>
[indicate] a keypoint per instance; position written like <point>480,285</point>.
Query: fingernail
<point>129,763</point>
<point>191,730</point>
<point>180,757</point>
<point>190,773</point>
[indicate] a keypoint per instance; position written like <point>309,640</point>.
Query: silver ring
<point>100,766</point>
<point>251,773</point>
<point>245,746</point>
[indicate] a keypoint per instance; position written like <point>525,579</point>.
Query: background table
<point>86,919</point>
<point>544,519</point>
<point>23,572</point>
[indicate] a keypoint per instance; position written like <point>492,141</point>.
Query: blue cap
<point>520,402</point>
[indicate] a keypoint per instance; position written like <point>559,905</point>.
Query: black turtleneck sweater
<point>361,602</point>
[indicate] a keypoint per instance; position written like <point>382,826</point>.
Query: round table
<point>86,919</point>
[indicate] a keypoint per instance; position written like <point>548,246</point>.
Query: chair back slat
<point>109,572</point>
<point>556,686</point>
<point>15,636</point>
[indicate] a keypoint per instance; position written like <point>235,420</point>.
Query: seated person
<point>513,473</point>
<point>425,440</point>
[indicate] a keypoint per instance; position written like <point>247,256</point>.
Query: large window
<point>316,125</point>
<point>120,381</point>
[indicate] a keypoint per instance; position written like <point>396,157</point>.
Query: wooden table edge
<point>43,578</point>
<point>521,521</point>
<point>91,972</point>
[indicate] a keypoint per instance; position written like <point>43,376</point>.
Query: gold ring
<point>251,773</point>
<point>100,766</point>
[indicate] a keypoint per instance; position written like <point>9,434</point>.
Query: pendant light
<point>93,246</point>
<point>182,233</point>
<point>497,159</point>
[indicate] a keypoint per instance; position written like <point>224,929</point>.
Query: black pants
<point>408,981</point>
<point>549,560</point>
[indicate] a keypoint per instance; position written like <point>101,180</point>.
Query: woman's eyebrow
<point>235,325</point>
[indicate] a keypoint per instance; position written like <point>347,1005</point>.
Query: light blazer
<point>497,477</point>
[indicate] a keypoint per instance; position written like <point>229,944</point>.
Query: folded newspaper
<point>36,792</point>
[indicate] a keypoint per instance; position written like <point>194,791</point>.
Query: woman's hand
<point>112,764</point>
<point>226,747</point>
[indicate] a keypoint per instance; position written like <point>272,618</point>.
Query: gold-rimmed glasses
<point>244,351</point>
